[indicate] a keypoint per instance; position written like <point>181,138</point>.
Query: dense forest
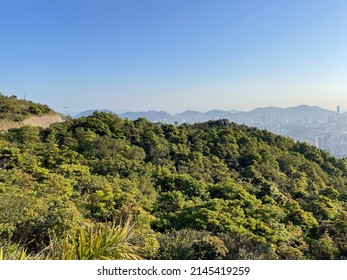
<point>102,187</point>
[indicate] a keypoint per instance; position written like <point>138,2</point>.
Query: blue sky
<point>174,55</point>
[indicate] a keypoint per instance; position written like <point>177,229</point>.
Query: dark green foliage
<point>190,245</point>
<point>212,190</point>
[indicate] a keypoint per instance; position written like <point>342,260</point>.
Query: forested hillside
<point>214,190</point>
<point>14,109</point>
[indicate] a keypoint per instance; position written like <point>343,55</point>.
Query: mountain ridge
<point>192,116</point>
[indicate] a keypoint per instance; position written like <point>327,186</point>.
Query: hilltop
<point>15,113</point>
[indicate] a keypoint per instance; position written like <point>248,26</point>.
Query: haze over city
<point>175,55</point>
<point>208,133</point>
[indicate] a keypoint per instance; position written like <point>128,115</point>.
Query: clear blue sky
<point>174,55</point>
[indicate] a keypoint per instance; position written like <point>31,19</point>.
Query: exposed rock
<point>40,121</point>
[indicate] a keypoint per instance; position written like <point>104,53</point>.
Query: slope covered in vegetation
<point>214,190</point>
<point>14,109</point>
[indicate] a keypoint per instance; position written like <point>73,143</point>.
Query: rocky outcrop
<point>40,121</point>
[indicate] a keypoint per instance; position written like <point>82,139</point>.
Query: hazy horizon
<point>188,109</point>
<point>175,55</point>
<point>74,111</point>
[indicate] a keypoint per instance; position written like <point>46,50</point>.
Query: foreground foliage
<point>214,190</point>
<point>97,242</point>
<point>94,242</point>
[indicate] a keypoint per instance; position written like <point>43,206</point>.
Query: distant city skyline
<point>324,129</point>
<point>175,55</point>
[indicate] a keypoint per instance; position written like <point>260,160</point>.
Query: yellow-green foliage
<point>15,254</point>
<point>106,241</point>
<point>95,242</point>
<point>15,109</point>
<point>209,190</point>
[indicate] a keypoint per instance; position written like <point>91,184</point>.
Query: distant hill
<point>190,117</point>
<point>90,112</point>
<point>298,113</point>
<point>153,116</point>
<point>303,113</point>
<point>233,111</point>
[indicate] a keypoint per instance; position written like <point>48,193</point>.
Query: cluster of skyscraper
<point>329,135</point>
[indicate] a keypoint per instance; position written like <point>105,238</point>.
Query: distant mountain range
<point>90,112</point>
<point>301,113</point>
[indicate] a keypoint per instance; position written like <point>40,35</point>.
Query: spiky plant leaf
<point>96,242</point>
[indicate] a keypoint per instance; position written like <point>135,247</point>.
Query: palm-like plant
<point>19,254</point>
<point>96,242</point>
